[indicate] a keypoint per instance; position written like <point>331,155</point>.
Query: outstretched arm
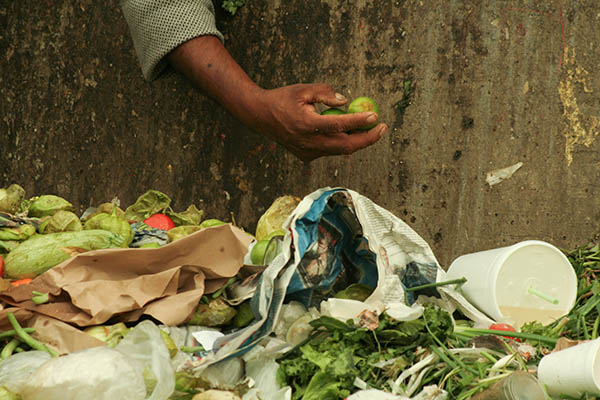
<point>286,115</point>
<point>183,33</point>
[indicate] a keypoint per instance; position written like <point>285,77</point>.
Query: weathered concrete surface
<point>494,84</point>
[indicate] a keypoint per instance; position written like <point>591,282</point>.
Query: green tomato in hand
<point>362,104</point>
<point>333,111</point>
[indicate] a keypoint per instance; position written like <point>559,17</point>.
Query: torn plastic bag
<point>137,368</point>
<point>144,347</point>
<point>262,368</point>
<point>96,373</point>
<point>337,237</point>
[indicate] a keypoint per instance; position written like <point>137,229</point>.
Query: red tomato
<point>160,221</point>
<point>504,327</point>
<point>1,267</point>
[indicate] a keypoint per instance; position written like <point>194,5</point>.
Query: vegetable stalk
<point>466,331</point>
<point>31,342</point>
<point>9,348</point>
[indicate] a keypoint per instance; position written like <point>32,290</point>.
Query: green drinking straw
<point>542,296</point>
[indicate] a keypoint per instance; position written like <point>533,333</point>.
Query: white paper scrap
<point>498,175</point>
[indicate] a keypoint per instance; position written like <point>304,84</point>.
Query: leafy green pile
<point>403,357</point>
<point>326,364</point>
<point>584,319</point>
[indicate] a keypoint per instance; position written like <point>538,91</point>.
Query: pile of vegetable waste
<point>439,355</point>
<point>40,232</point>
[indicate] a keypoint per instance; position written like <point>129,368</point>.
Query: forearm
<point>209,66</point>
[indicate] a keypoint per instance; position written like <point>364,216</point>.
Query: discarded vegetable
<point>112,223</point>
<point>62,221</point>
<point>333,111</point>
<point>48,204</point>
<point>31,342</point>
<point>42,252</point>
<point>39,297</point>
<point>362,104</point>
<point>160,221</point>
<point>216,313</point>
<point>273,219</point>
<point>11,198</point>
<point>109,334</point>
<point>211,222</point>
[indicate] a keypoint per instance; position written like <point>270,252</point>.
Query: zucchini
<point>42,252</point>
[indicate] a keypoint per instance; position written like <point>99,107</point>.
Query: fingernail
<point>340,97</point>
<point>372,118</point>
<point>382,130</point>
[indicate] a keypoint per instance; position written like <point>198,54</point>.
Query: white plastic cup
<point>500,282</point>
<point>572,371</point>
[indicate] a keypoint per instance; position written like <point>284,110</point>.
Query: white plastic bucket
<point>519,283</point>
<point>572,371</point>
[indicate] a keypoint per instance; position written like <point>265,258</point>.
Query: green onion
<point>490,357</point>
<point>521,335</point>
<point>595,327</point>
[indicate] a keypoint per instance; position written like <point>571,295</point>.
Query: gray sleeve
<point>159,26</point>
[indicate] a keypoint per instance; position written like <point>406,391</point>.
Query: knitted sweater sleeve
<point>159,26</point>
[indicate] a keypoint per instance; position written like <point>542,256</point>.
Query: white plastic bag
<point>16,370</point>
<point>262,368</point>
<point>140,363</point>
<point>145,348</point>
<point>98,373</point>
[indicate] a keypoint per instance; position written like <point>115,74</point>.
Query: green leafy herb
<point>233,5</point>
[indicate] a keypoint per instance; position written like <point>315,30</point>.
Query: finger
<point>342,123</point>
<point>349,143</point>
<point>323,93</point>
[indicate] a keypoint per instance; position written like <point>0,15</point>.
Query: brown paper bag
<point>165,283</point>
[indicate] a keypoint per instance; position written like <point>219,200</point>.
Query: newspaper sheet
<point>337,237</point>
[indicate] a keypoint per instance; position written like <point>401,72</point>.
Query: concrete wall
<point>492,85</point>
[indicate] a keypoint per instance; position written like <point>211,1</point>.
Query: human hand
<point>288,116</point>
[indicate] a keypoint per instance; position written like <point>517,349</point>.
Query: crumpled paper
<point>123,284</point>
